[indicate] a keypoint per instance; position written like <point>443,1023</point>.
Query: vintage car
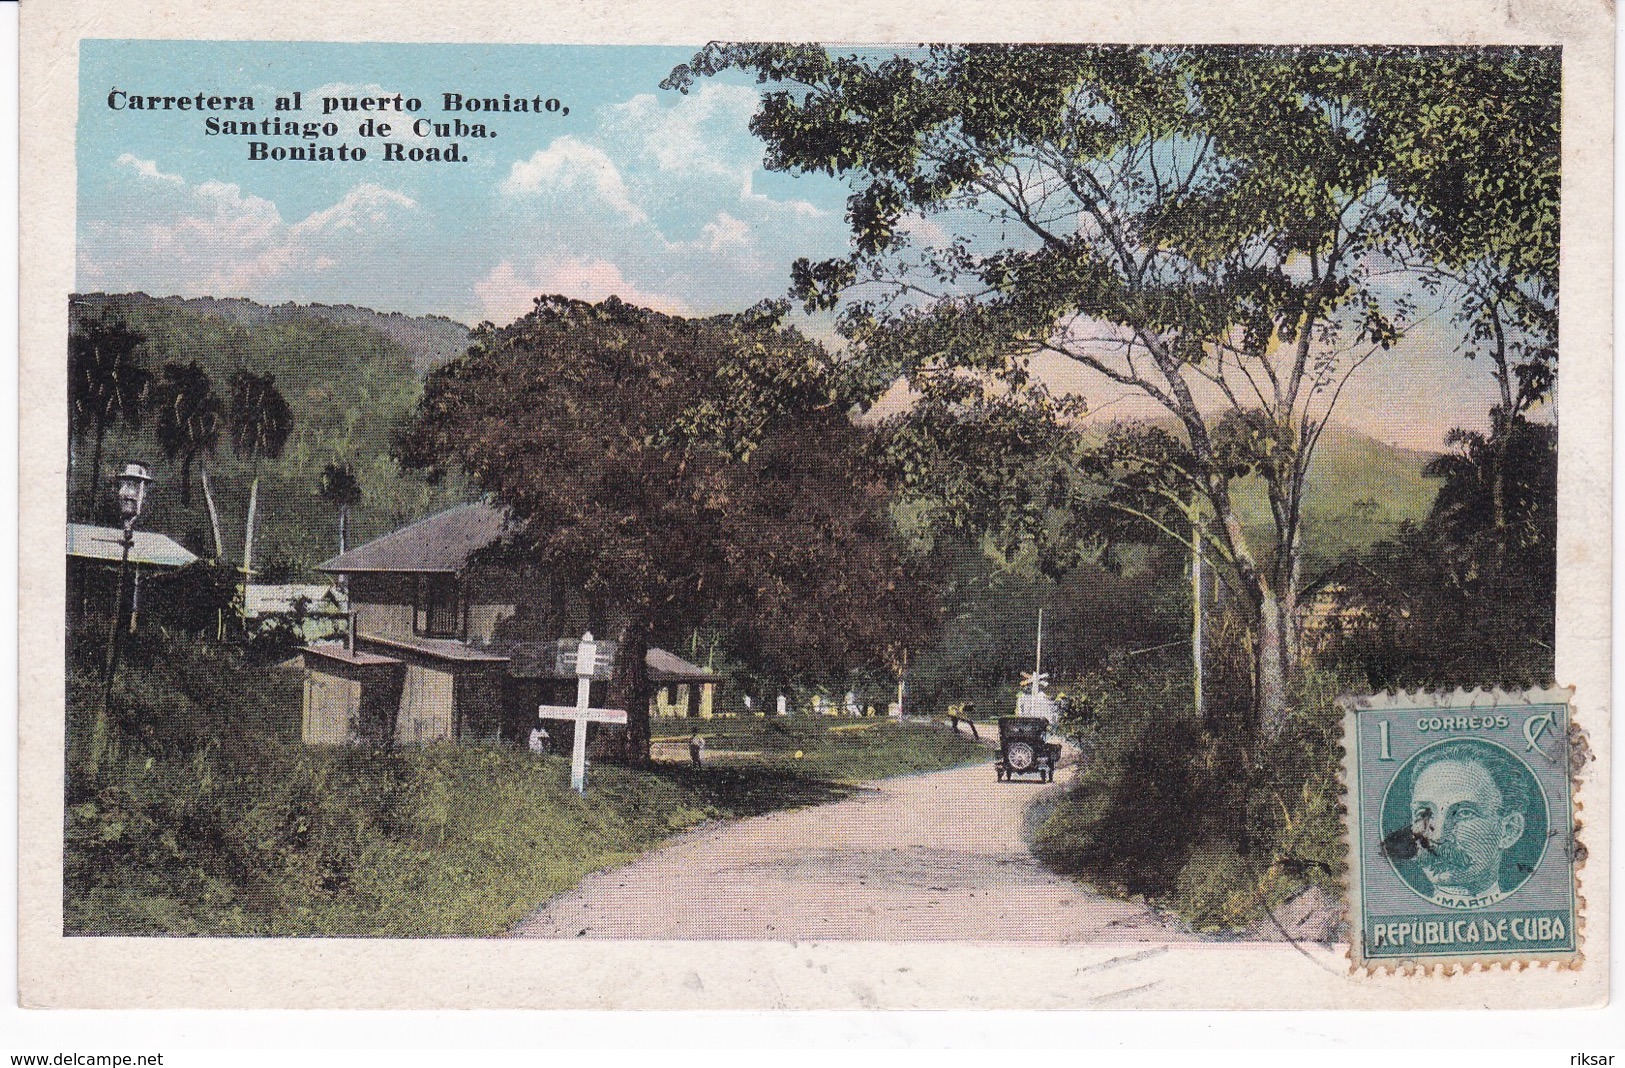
<point>1024,748</point>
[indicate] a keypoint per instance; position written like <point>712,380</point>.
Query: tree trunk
<point>1270,690</point>
<point>344,525</point>
<point>634,690</point>
<point>1270,651</point>
<point>1500,430</point>
<point>96,468</point>
<point>214,513</point>
<point>248,535</point>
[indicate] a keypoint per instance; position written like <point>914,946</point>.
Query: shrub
<point>1196,814</point>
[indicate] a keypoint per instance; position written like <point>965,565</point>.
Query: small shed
<point>684,689</point>
<point>350,696</point>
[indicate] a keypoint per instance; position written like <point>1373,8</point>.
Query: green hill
<point>349,379</point>
<point>430,340</point>
<point>351,375</point>
<point>1360,491</point>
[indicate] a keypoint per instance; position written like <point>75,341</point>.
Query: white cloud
<point>146,168</point>
<point>925,231</point>
<point>726,233</point>
<point>695,139</point>
<point>569,164</point>
<point>215,238</point>
<point>365,206</point>
<point>508,292</point>
<point>686,133</point>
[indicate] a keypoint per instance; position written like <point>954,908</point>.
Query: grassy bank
<point>212,819</point>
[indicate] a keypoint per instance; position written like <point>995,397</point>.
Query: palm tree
<point>340,487</point>
<point>106,385</point>
<point>188,423</point>
<point>260,424</point>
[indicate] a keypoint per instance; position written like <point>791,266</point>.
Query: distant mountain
<point>430,340</point>
<point>1360,491</point>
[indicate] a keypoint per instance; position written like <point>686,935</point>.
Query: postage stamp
<point>813,518</point>
<point>1462,828</point>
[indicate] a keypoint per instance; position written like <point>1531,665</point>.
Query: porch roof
<point>148,549</point>
<point>668,668</point>
<point>437,648</point>
<point>538,660</point>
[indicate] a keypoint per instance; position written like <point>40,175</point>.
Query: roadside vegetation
<point>212,819</point>
<point>1159,811</point>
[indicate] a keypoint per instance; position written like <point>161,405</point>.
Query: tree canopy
<point>683,473</point>
<point>1221,231</point>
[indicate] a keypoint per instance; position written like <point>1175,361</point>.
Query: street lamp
<point>132,496</point>
<point>131,486</point>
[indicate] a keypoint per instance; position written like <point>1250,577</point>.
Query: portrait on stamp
<point>1462,843</point>
<point>1476,820</point>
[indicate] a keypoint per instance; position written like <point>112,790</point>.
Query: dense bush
<point>1190,811</point>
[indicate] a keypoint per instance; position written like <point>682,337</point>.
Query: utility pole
<point>1038,658</point>
<point>1196,608</point>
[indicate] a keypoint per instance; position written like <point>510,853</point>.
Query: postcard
<point>631,507</point>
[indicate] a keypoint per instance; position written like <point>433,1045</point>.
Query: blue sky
<point>657,197</point>
<point>639,192</point>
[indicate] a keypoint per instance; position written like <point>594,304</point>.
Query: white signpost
<point>1036,702</point>
<point>586,665</point>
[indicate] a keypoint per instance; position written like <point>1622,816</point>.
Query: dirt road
<point>937,857</point>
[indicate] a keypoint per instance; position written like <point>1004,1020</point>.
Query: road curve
<point>940,856</point>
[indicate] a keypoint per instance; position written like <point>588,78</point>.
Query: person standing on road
<point>696,750</point>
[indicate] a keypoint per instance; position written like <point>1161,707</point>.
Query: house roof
<point>149,549</point>
<point>668,667</point>
<point>436,648</point>
<point>442,543</point>
<point>262,599</point>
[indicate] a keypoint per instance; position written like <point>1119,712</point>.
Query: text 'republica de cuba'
<point>387,127</point>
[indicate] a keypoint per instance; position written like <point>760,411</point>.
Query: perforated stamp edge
<point>1579,755</point>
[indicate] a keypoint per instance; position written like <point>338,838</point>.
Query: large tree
<point>1473,138</point>
<point>1212,230</point>
<point>682,473</point>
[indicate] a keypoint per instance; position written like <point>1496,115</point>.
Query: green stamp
<point>1461,828</point>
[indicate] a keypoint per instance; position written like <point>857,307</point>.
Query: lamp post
<point>131,485</point>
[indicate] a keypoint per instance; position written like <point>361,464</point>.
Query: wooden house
<point>1350,602</point>
<point>448,643</point>
<point>94,558</point>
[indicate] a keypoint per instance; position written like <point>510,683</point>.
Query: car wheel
<point>1020,757</point>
